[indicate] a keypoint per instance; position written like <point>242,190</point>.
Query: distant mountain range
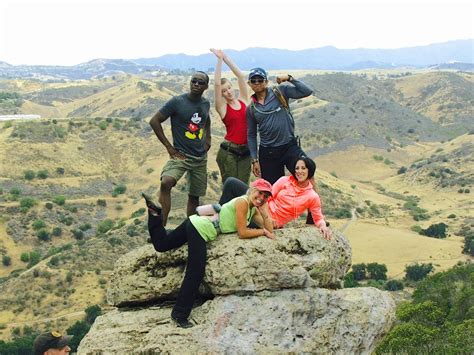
<point>457,55</point>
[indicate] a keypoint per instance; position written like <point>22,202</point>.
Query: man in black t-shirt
<point>191,131</point>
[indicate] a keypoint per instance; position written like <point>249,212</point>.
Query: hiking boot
<point>182,322</point>
<point>154,209</point>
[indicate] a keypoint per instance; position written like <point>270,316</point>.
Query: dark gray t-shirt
<point>188,121</point>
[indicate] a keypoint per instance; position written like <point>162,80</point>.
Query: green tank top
<point>227,220</point>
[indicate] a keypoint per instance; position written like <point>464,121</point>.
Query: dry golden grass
<point>396,247</point>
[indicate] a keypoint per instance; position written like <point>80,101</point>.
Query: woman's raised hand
<point>218,53</point>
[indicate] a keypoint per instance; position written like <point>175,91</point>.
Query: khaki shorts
<point>196,176</point>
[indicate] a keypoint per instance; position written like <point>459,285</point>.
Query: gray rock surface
<point>311,320</point>
<point>299,258</point>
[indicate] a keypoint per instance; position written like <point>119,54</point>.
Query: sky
<point>70,32</point>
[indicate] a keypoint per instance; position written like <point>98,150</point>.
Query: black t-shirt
<point>188,121</point>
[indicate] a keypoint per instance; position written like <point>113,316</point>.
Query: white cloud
<point>69,32</point>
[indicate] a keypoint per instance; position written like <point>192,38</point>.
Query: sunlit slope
<point>445,97</point>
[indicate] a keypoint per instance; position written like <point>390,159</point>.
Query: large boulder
<point>298,258</point>
<point>311,320</point>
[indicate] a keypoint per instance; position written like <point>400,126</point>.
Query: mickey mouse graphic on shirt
<point>194,131</point>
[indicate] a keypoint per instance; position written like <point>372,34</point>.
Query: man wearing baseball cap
<point>274,124</point>
<point>52,343</point>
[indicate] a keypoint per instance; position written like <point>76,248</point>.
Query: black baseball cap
<point>50,340</point>
<point>258,72</point>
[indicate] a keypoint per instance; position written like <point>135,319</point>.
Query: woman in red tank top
<point>233,157</point>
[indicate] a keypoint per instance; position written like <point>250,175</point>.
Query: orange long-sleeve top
<point>289,201</point>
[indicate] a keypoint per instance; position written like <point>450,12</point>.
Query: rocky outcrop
<point>270,297</point>
<point>311,320</point>
<point>298,258</point>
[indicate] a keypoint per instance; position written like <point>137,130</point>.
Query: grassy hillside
<point>70,187</point>
<point>445,97</point>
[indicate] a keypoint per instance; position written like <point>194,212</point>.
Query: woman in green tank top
<point>235,216</point>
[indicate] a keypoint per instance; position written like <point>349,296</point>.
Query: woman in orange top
<point>233,157</point>
<point>291,196</point>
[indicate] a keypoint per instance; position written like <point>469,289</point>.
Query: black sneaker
<point>182,322</point>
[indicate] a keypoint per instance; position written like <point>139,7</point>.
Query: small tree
<point>417,271</point>
<point>43,235</point>
<point>377,271</point>
<point>92,313</point>
<point>6,260</point>
<point>435,231</point>
<point>394,285</point>
<point>359,271</point>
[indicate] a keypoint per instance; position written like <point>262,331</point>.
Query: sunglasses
<point>198,81</point>
<point>257,81</point>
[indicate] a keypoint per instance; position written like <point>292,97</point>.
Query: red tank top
<point>236,124</point>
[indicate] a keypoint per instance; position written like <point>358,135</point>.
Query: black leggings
<point>273,160</point>
<point>195,266</point>
<point>232,188</point>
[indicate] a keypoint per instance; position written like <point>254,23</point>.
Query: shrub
<point>377,271</point>
<point>29,174</point>
<point>57,231</point>
<point>42,174</point>
<point>54,261</point>
<point>60,171</point>
<point>402,170</point>
<point>38,224</point>
<point>78,234</point>
<point>92,313</point>
<point>105,226</point>
<point>435,231</point>
<point>333,173</point>
<point>394,285</point>
<point>25,257</point>
<point>85,226</point>
<point>69,277</point>
<point>6,260</point>
<point>452,215</point>
<point>468,246</point>
<point>35,257</point>
<point>43,235</point>
<point>101,202</point>
<point>48,205</point>
<point>103,125</point>
<point>417,271</point>
<point>416,228</point>
<point>359,271</point>
<point>119,189</point>
<point>59,200</point>
<point>349,281</point>
<point>138,213</point>
<point>132,231</point>
<point>149,170</point>
<point>27,202</point>
<point>15,191</point>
